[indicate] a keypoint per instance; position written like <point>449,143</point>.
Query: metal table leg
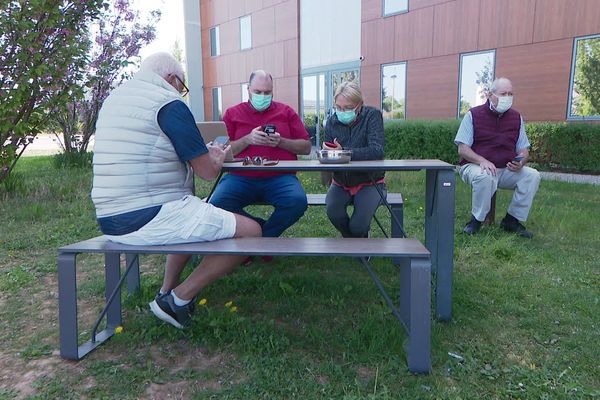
<point>439,236</point>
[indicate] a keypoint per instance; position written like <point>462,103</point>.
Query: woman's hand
<point>332,145</point>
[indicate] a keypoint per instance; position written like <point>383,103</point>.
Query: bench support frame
<point>414,312</point>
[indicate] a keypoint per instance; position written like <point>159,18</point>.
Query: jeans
<point>284,192</point>
<point>365,203</point>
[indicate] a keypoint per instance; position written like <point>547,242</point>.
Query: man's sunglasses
<point>185,90</point>
<point>258,160</point>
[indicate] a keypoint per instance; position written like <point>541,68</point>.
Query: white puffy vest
<point>135,164</point>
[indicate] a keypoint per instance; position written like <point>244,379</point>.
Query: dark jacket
<point>365,137</point>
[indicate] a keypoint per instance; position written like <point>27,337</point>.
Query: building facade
<point>414,59</point>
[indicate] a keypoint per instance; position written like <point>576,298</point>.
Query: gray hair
<point>162,64</point>
<point>497,82</point>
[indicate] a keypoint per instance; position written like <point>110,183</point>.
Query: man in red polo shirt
<point>281,189</point>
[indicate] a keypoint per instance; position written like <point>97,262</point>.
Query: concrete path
<point>572,178</point>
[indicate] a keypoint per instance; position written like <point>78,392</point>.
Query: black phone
<point>269,129</point>
<point>518,158</point>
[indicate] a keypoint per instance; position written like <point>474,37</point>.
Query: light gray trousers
<point>524,183</point>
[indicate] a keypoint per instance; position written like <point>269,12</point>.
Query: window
<point>391,7</point>
<point>215,47</point>
<point>217,104</point>
<point>244,92</point>
<point>584,93</point>
<point>476,76</point>
<point>393,91</point>
<point>245,32</point>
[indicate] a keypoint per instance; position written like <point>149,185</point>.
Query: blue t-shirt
<point>177,122</point>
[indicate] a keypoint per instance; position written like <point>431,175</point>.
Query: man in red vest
<point>494,149</point>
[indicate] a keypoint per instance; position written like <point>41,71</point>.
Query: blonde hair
<point>350,90</point>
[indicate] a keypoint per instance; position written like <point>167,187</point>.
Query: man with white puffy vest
<point>494,149</point>
<point>146,152</point>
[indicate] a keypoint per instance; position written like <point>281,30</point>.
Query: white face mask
<point>504,103</point>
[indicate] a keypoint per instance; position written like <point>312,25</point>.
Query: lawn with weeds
<point>526,313</point>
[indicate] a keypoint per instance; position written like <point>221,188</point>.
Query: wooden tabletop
<point>373,165</point>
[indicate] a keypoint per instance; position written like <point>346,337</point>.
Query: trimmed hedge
<point>421,139</point>
<point>562,146</point>
<point>570,147</point>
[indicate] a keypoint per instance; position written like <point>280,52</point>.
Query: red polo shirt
<point>242,118</point>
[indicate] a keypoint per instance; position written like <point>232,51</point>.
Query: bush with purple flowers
<point>43,57</point>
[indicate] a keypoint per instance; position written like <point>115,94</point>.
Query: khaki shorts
<point>182,221</point>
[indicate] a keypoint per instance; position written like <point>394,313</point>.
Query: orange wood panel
<point>506,23</point>
<point>263,27</point>
<point>559,19</point>
<point>205,43</point>
<point>371,34</point>
<point>286,20</point>
<point>274,59</point>
<point>231,95</point>
<point>455,27</point>
<point>540,75</point>
<point>255,59</point>
<point>223,70</point>
<point>207,103</point>
<point>207,13</point>
<point>432,88</point>
<point>252,5</point>
<point>371,9</point>
<point>237,8</point>
<point>291,58</point>
<point>229,33</point>
<point>378,40</point>
<point>370,85</point>
<point>239,71</point>
<point>417,4</point>
<point>220,10</point>
<point>285,90</point>
<point>209,68</point>
<point>414,34</point>
<point>271,3</point>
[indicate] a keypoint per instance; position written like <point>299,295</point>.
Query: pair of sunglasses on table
<point>258,160</point>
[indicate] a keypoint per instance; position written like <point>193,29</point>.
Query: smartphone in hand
<point>518,158</point>
<point>222,140</point>
<point>269,129</point>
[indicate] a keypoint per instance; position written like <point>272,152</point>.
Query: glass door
<point>318,89</point>
<point>313,105</point>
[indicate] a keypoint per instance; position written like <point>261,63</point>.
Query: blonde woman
<point>359,128</point>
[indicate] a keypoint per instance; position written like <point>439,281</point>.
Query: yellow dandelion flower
<point>233,309</point>
<point>119,329</point>
<point>229,304</point>
<point>202,302</point>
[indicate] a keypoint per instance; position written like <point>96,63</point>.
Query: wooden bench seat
<point>414,311</point>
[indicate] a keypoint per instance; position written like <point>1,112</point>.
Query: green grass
<point>526,313</point>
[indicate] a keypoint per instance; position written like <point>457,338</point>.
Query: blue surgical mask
<point>346,117</point>
<point>261,102</point>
